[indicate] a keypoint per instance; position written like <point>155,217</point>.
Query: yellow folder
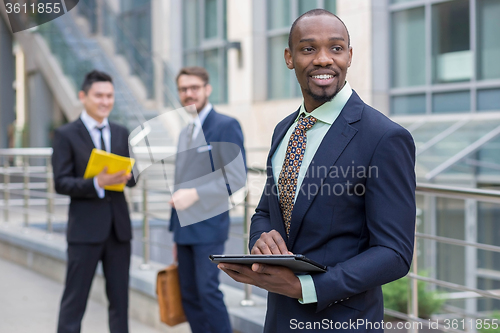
<point>100,159</point>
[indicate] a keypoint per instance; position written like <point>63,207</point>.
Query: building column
<point>471,252</point>
<point>40,111</point>
<point>7,92</point>
<point>357,16</point>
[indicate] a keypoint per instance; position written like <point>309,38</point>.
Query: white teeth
<point>323,77</point>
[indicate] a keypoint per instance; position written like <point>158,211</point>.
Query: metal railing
<point>27,185</point>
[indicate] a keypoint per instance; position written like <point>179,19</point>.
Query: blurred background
<point>431,65</point>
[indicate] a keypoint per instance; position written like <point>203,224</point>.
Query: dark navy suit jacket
<point>90,217</point>
<point>223,142</point>
<point>355,213</point>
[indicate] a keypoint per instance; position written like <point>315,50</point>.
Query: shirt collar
<point>329,111</point>
<point>204,113</point>
<point>90,122</point>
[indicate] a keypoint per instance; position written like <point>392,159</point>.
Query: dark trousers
<point>199,280</point>
<point>82,263</point>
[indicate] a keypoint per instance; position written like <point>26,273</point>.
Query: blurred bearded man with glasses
<point>198,146</point>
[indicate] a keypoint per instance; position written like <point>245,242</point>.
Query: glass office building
<point>431,65</point>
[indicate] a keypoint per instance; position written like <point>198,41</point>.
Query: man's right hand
<point>105,179</point>
<point>270,243</point>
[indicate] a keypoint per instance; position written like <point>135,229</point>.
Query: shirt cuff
<point>98,189</point>
<point>308,290</point>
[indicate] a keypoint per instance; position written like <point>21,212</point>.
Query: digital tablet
<point>296,262</point>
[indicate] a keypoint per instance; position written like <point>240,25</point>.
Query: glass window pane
<point>490,163</point>
<point>488,100</point>
<point>278,14</point>
<point>453,144</point>
<point>331,6</point>
<point>211,19</point>
<point>399,1</point>
<point>190,59</point>
<point>488,304</point>
<point>488,22</point>
<point>450,222</point>
<point>212,62</point>
<point>411,104</point>
<point>452,56</point>
<point>425,133</point>
<point>190,23</point>
<point>451,102</point>
<point>408,48</point>
<point>488,233</point>
<point>279,74</point>
<point>224,15</point>
<point>307,5</point>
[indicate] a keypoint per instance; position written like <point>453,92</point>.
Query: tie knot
<point>100,128</point>
<point>306,123</point>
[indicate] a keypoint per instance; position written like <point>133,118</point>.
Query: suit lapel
<point>274,200</point>
<point>334,143</point>
<point>200,140</point>
<point>84,134</point>
<point>275,209</point>
<point>114,138</point>
<point>281,131</point>
<point>206,128</point>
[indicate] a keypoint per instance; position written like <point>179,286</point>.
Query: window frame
<point>203,45</point>
<point>430,88</point>
<point>283,31</point>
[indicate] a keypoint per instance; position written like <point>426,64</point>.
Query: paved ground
<point>29,303</point>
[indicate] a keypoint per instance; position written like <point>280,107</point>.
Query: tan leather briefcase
<point>169,296</point>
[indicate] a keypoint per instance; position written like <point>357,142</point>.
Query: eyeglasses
<point>194,89</point>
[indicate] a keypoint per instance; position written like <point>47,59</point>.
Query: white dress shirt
<point>200,119</point>
<point>92,126</point>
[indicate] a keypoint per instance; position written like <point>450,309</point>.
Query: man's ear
<point>288,58</point>
<point>350,57</point>
<point>208,89</point>
<point>81,96</point>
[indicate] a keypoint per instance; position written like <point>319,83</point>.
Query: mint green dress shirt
<point>326,115</point>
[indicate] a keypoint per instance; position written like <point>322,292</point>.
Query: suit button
<point>347,298</point>
<point>341,300</point>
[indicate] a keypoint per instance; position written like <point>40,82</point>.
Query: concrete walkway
<point>29,303</point>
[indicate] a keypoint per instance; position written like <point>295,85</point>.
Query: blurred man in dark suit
<point>99,226</point>
<point>205,176</point>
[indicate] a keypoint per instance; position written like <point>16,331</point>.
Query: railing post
<point>145,227</point>
<point>26,190</point>
<point>413,292</point>
<point>6,193</point>
<point>247,301</point>
<point>50,196</point>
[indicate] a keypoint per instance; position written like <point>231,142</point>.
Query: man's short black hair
<point>316,12</point>
<point>92,77</point>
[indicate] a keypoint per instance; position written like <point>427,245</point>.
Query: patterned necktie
<point>287,181</point>
<point>103,146</point>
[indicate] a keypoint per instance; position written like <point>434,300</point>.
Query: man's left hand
<point>276,279</point>
<point>184,198</point>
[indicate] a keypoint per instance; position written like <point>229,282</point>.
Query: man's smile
<point>322,78</point>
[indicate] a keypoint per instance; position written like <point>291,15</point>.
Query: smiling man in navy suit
<point>209,145</point>
<point>340,190</point>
